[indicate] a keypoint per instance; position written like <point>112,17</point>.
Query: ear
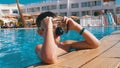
<point>40,32</point>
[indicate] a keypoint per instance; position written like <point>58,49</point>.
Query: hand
<point>72,25</point>
<point>47,23</point>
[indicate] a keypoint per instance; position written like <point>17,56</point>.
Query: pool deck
<point>106,56</point>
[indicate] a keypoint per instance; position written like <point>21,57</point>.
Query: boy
<point>52,47</point>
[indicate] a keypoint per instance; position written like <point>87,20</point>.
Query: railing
<point>91,21</point>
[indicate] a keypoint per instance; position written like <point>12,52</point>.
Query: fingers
<point>47,19</point>
<point>47,23</point>
<point>66,19</point>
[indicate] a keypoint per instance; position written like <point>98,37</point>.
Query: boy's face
<point>56,23</point>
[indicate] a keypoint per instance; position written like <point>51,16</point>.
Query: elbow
<point>96,45</point>
<point>49,60</point>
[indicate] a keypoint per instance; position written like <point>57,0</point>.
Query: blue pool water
<point>17,45</point>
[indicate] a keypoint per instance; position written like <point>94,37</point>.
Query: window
<point>37,9</point>
<point>63,14</point>
<point>63,6</point>
<point>84,4</point>
<point>43,8</point>
<point>75,5</point>
<point>30,9</point>
<point>94,3</point>
<point>98,3</point>
<point>23,10</point>
<point>75,13</point>
<point>111,10</point>
<point>118,10</point>
<point>90,3</point>
<point>15,11</point>
<point>47,7</point>
<point>85,13</point>
<point>53,7</point>
<point>5,11</point>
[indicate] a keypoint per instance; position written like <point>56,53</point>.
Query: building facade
<point>8,9</point>
<point>8,13</point>
<point>80,8</point>
<point>72,7</point>
<point>63,7</point>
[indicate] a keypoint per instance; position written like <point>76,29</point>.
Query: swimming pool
<point>17,45</point>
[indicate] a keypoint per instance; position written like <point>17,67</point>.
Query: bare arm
<point>90,40</point>
<point>49,48</point>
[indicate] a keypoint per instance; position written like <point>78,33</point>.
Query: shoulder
<point>39,46</point>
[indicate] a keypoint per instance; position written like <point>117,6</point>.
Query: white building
<point>62,7</point>
<point>71,7</point>
<point>8,9</point>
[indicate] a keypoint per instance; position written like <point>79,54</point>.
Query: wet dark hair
<point>44,15</point>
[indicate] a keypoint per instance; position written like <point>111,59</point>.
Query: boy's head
<point>57,30</point>
<point>42,16</point>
